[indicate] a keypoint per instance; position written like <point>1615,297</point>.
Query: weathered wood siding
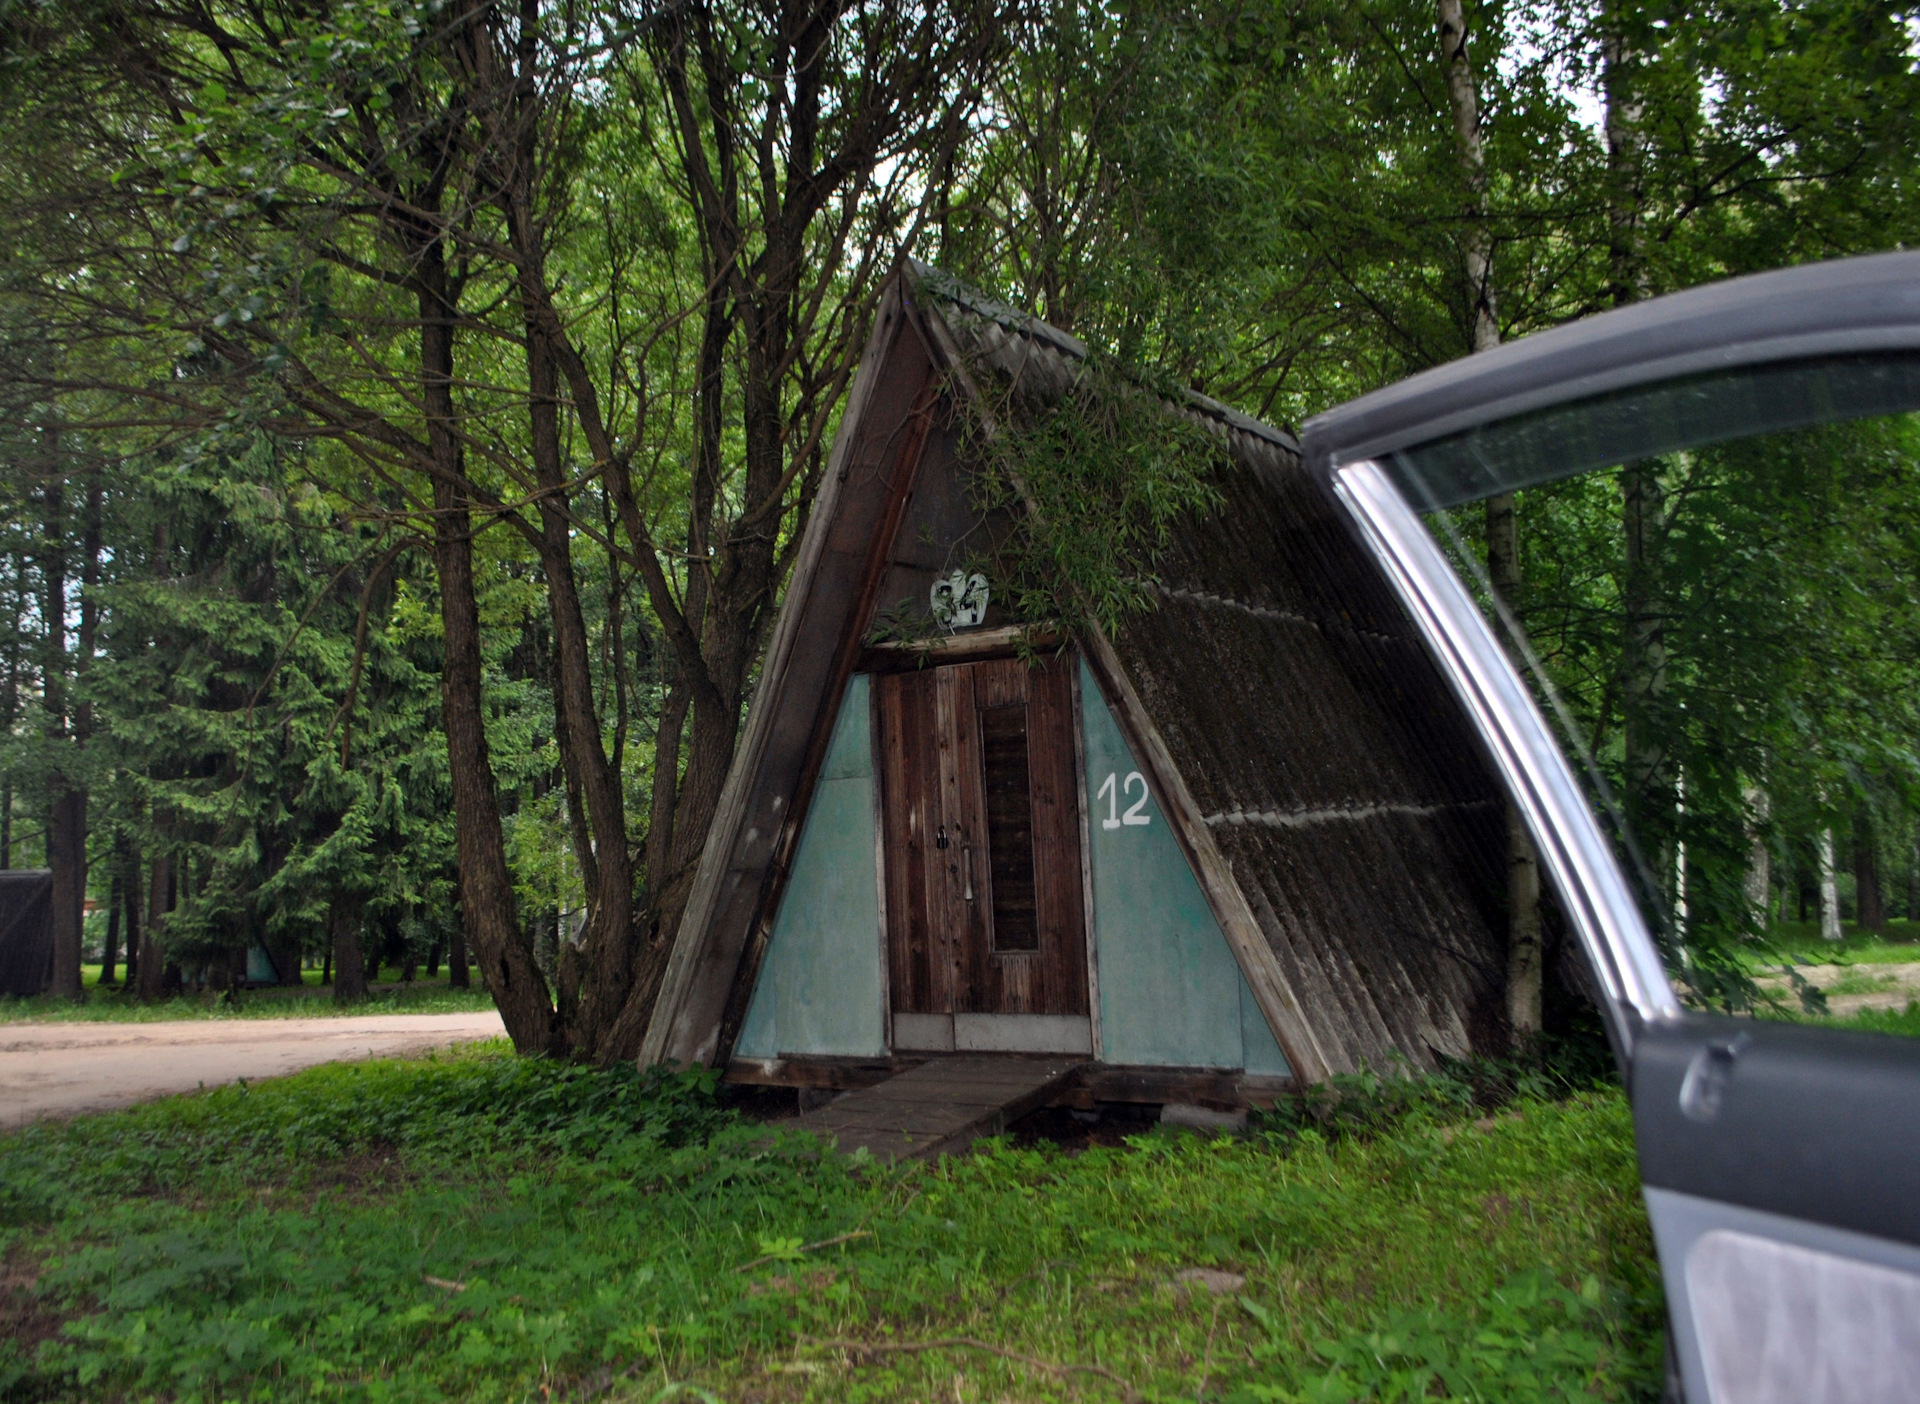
<point>1171,993</point>
<point>821,990</point>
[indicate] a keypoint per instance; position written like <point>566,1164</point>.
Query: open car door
<point>1762,437</point>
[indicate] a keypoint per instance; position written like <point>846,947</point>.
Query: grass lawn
<point>1799,943</point>
<point>478,1227</point>
<point>1890,1021</point>
<point>112,1003</point>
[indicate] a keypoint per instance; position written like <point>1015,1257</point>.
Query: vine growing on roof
<point>1089,476</point>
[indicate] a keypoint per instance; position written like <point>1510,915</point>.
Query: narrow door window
<point>1009,795</point>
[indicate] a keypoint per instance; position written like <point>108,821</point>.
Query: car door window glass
<point>1720,602</point>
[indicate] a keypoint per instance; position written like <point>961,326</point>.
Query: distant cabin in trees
<point>1249,837</point>
<point>26,931</point>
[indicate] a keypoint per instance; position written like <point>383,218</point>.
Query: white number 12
<point>1110,792</point>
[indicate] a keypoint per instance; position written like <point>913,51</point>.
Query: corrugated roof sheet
<point>1334,770</point>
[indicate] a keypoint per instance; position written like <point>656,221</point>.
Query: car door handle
<point>1704,1089</point>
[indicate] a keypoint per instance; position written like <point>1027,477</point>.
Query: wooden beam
<point>1003,642</point>
<point>1225,1089</point>
<point>899,485</point>
<point>1204,1087</point>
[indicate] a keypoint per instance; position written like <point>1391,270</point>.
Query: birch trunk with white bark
<point>1829,888</point>
<point>1503,545</point>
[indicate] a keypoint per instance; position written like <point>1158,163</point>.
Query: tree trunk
<point>343,938</point>
<point>1759,882</point>
<point>129,864</point>
<point>485,886</point>
<point>1643,661</point>
<point>10,707</point>
<point>285,953</point>
<point>67,806</point>
<point>110,952</point>
<point>1626,164</point>
<point>1503,545</point>
<point>1869,909</point>
<point>1913,881</point>
<point>596,803</point>
<point>1829,889</point>
<point>457,977</point>
<point>1643,667</point>
<point>153,969</point>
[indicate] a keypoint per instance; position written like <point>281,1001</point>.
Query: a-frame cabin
<point>1249,838</point>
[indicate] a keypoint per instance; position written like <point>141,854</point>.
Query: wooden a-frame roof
<point>1326,788</point>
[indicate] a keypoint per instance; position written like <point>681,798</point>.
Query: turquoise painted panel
<point>1264,1058</point>
<point>820,989</point>
<point>1171,992</point>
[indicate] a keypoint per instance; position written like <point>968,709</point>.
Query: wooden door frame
<point>985,646</point>
<point>1086,856</point>
<point>884,932</point>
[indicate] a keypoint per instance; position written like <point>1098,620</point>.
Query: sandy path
<point>1902,986</point>
<point>62,1069</point>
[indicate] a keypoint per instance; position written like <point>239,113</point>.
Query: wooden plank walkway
<point>940,1107</point>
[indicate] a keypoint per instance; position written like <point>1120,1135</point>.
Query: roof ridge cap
<point>938,283</point>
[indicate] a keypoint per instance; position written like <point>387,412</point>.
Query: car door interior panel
<point>1786,1311</point>
<point>1807,1123</point>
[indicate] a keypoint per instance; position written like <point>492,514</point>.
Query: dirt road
<point>1852,988</point>
<point>61,1069</point>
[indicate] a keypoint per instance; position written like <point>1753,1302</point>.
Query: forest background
<point>411,411</point>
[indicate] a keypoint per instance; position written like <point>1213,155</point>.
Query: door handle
<point>1704,1089</point>
<point>966,865</point>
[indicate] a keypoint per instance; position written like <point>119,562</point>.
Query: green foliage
<point>1889,1021</point>
<point>451,1105</point>
<point>117,1005</point>
<point>1532,1338</point>
<point>210,300</point>
<point>1786,577</point>
<point>1801,944</point>
<point>1368,1103</point>
<point>1089,483</point>
<point>478,1225</point>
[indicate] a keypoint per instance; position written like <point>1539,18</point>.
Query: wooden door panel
<point>1058,890</point>
<point>982,756</point>
<point>960,916</point>
<point>904,703</point>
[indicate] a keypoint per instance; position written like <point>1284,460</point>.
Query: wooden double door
<point>981,822</point>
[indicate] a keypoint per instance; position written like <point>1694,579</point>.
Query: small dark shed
<point>1249,838</point>
<point>26,931</point>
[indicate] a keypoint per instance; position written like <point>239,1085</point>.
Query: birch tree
<point>1502,539</point>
